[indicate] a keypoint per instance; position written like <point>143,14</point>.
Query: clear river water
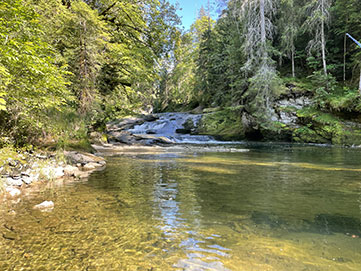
<point>275,207</point>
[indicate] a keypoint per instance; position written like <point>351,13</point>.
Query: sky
<point>189,10</point>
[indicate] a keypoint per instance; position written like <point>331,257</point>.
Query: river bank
<point>22,171</point>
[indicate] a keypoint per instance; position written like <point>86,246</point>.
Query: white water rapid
<point>171,126</point>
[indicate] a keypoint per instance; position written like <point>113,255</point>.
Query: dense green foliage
<point>256,48</point>
<point>68,66</point>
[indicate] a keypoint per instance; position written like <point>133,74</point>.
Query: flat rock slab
<point>81,157</point>
<point>153,139</point>
<point>122,137</point>
<point>126,123</point>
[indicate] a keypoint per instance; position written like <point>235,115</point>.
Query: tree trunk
<point>263,28</point>
<point>359,87</point>
<point>323,42</point>
<point>344,57</point>
<point>293,62</point>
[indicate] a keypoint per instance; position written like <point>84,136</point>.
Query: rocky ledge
<point>26,169</point>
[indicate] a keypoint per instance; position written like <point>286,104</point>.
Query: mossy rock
<point>320,127</point>
<point>276,131</point>
<point>223,125</point>
<point>307,135</point>
<point>189,124</point>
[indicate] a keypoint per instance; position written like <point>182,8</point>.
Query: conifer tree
<point>258,29</point>
<point>318,18</point>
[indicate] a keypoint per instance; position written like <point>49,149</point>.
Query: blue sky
<point>189,10</point>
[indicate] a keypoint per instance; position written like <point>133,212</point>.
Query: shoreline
<point>25,172</point>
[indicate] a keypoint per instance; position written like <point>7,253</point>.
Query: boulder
<point>151,139</point>
<point>97,137</point>
<point>122,124</point>
<point>164,140</point>
<point>150,117</point>
<point>81,157</point>
<point>189,124</point>
<point>29,179</point>
<point>71,171</point>
<point>183,131</point>
<point>41,156</point>
<point>91,166</point>
<point>50,172</point>
<point>13,182</point>
<point>122,137</point>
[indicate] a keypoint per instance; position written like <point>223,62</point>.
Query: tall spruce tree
<point>258,29</point>
<point>288,29</point>
<point>318,18</point>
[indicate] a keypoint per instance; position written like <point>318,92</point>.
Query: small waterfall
<point>177,127</point>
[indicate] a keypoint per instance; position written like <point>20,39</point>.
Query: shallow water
<point>276,207</point>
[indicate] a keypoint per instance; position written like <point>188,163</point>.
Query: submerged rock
<point>9,235</point>
<point>91,166</point>
<point>332,223</point>
<point>13,192</point>
<point>45,205</point>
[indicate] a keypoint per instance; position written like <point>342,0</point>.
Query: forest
<point>287,70</point>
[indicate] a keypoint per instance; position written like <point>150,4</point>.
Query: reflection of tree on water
<point>177,209</point>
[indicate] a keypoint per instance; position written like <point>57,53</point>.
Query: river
<point>275,207</point>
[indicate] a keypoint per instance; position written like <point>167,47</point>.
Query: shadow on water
<point>322,223</point>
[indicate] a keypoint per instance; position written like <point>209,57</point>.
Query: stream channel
<point>274,207</point>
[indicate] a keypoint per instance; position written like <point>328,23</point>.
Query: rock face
<point>285,109</point>
<point>226,124</point>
